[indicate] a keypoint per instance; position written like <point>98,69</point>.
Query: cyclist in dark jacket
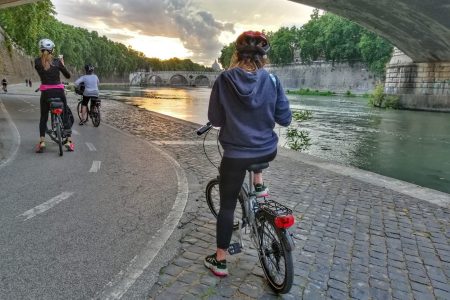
<point>246,101</point>
<point>48,69</point>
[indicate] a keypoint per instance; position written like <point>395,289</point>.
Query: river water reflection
<point>409,145</point>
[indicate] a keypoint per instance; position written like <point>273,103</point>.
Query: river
<point>412,146</point>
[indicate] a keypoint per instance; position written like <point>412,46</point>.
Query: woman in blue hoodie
<point>246,101</point>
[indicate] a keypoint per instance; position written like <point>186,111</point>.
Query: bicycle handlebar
<point>204,128</point>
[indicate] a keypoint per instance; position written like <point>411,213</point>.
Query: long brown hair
<point>249,63</point>
<point>46,59</point>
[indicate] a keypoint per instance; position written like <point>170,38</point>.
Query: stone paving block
<point>440,294</point>
<point>380,294</point>
<point>199,289</point>
<point>172,270</point>
<point>250,290</point>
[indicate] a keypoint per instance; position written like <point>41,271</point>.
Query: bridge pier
<point>420,86</point>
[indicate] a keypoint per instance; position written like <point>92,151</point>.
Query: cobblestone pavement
<point>354,240</point>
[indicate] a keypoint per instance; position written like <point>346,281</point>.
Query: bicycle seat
<point>56,104</point>
<point>256,167</point>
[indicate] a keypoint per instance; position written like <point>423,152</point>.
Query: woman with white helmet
<point>48,69</point>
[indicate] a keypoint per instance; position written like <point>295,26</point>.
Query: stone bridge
<point>173,78</point>
<point>421,30</point>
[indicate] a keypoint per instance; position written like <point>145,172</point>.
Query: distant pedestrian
<point>26,82</point>
<point>5,85</point>
<point>29,82</point>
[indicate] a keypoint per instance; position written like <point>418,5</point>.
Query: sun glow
<point>159,46</point>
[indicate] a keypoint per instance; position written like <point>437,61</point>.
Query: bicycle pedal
<point>234,248</point>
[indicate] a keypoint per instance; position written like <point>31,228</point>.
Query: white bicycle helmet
<point>46,44</point>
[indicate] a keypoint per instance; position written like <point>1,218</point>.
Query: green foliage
<point>309,92</point>
<point>379,99</point>
<point>282,45</point>
<point>375,51</point>
<point>27,24</point>
<point>225,55</point>
<point>297,139</point>
<point>325,37</point>
<point>349,93</point>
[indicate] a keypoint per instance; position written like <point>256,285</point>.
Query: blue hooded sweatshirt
<point>246,106</point>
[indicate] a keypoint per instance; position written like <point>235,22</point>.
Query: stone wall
<point>422,86</point>
<point>325,76</point>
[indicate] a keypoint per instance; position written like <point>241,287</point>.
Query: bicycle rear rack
<point>274,208</point>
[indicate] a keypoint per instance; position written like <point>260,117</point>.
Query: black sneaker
<point>261,190</point>
<point>219,268</point>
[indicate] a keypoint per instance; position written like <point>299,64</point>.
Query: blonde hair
<point>46,59</point>
<point>247,63</point>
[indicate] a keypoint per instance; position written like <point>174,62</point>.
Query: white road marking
<point>91,147</point>
<point>16,136</point>
<point>95,166</point>
<point>75,132</point>
<point>45,206</point>
<point>116,288</point>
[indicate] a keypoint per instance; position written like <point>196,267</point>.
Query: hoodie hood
<point>248,86</point>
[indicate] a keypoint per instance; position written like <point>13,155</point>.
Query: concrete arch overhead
<point>201,80</point>
<point>178,79</point>
<point>421,29</point>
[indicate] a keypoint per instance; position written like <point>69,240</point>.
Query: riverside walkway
<point>358,235</point>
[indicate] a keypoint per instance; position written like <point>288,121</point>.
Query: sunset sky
<point>195,29</point>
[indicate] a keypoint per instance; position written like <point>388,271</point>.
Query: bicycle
<point>56,132</point>
<point>93,112</point>
<point>268,222</point>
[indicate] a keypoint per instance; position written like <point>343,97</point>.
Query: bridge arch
<point>154,80</point>
<point>179,80</point>
<point>202,80</point>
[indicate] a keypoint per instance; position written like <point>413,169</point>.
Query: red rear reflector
<point>284,221</point>
<point>57,111</point>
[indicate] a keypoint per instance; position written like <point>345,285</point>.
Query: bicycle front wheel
<point>213,201</point>
<point>275,258</point>
<point>79,110</point>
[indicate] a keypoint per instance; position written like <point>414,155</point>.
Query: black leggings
<point>45,107</point>
<point>232,175</point>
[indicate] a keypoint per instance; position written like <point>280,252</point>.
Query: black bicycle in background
<point>93,112</point>
<point>267,222</point>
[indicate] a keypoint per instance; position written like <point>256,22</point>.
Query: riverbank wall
<point>325,76</point>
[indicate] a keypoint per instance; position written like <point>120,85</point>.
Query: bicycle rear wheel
<point>275,258</point>
<point>213,201</point>
<point>95,116</point>
<point>59,137</point>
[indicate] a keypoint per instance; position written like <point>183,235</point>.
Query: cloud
<point>197,29</point>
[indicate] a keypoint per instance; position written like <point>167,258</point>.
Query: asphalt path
<point>87,224</point>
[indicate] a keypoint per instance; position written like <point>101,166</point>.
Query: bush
<point>379,99</point>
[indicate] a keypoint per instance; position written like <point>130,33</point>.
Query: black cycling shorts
<point>86,99</point>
